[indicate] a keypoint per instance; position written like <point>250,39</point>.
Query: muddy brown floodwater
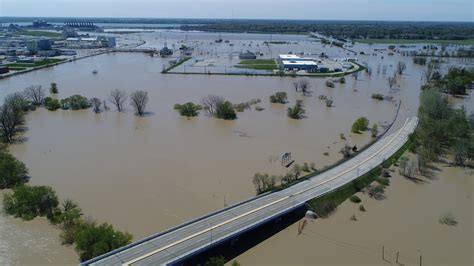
<point>405,222</point>
<point>146,174</point>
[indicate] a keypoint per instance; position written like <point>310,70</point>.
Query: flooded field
<point>405,222</point>
<point>146,174</point>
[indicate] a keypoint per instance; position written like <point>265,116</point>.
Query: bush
<point>54,88</point>
<point>279,97</point>
<point>27,202</point>
<point>12,171</point>
<point>342,80</point>
<point>329,84</point>
<point>225,110</point>
<point>188,109</point>
<point>93,240</point>
<point>51,104</point>
<point>353,218</point>
<point>376,191</point>
<point>378,96</point>
<point>448,219</point>
<point>383,181</point>
<point>327,209</point>
<point>75,102</point>
<point>419,60</point>
<point>355,199</point>
<point>362,208</point>
<point>360,124</point>
<point>215,261</point>
<point>297,111</point>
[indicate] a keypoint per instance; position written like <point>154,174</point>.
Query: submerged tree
<point>401,67</point>
<point>297,111</point>
<point>118,98</point>
<point>360,124</point>
<point>188,109</point>
<point>96,104</point>
<point>35,94</point>
<point>304,86</point>
<point>279,97</point>
<point>54,88</point>
<point>12,171</point>
<point>139,100</point>
<point>12,114</point>
<point>391,81</point>
<point>225,110</point>
<point>93,240</point>
<point>211,102</point>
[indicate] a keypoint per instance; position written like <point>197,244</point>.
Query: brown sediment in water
<point>147,174</point>
<point>405,222</point>
<point>33,242</point>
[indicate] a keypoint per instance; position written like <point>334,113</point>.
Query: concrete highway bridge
<point>190,239</point>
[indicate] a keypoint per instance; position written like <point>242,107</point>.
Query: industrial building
<point>294,62</point>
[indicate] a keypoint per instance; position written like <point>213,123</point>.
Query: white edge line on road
<point>264,206</point>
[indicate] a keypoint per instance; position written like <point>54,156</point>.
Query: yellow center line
<point>262,207</point>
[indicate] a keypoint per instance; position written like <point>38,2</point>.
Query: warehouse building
<point>310,66</point>
<point>294,62</point>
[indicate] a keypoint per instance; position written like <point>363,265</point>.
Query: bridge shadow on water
<point>233,247</point>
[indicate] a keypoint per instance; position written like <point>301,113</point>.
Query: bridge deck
<point>181,241</point>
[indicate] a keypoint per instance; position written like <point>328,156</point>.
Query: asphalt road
<point>177,243</point>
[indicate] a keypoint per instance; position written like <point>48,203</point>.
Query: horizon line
<point>256,19</point>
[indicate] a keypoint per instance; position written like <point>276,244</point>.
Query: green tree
<point>93,240</point>
<point>75,102</point>
<point>53,88</point>
<point>225,110</point>
<point>12,171</point>
<point>375,130</point>
<point>188,109</point>
<point>51,104</point>
<point>27,202</point>
<point>297,111</point>
<point>360,124</point>
<point>12,115</point>
<point>215,261</point>
<point>279,97</point>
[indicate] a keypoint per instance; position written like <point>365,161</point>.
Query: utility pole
<point>383,252</point>
<point>225,201</point>
<point>421,256</point>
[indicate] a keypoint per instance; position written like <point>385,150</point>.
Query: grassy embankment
<point>182,61</point>
<point>401,41</point>
<point>258,64</point>
<point>322,205</point>
<point>23,66</point>
<point>275,42</point>
<point>39,34</point>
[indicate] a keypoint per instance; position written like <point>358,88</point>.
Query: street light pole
<point>421,256</point>
<point>225,200</point>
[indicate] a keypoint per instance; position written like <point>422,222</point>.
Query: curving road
<point>177,243</point>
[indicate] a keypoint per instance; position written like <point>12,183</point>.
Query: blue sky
<point>416,10</point>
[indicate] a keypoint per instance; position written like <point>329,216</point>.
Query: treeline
<point>442,130</point>
<point>456,82</point>
<point>27,202</point>
<point>342,30</point>
<point>266,182</point>
<point>16,105</point>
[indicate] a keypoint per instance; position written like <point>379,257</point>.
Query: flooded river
<point>146,174</point>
